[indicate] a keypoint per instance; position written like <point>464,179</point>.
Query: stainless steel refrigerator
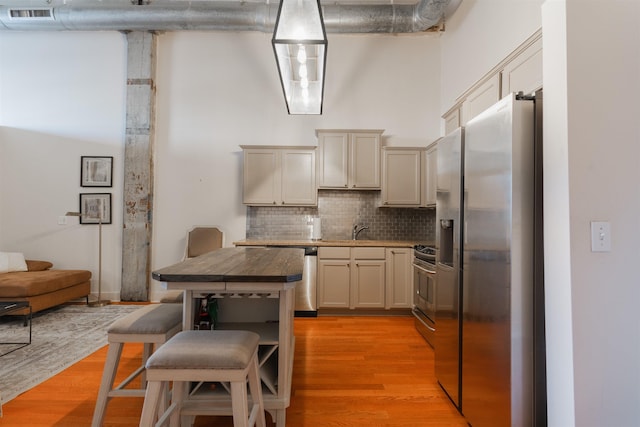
<point>487,240</point>
<point>447,343</point>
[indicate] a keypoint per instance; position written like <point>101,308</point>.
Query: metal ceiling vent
<point>209,15</point>
<point>31,14</point>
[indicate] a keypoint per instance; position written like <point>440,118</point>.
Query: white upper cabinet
<point>481,98</point>
<point>261,176</point>
<point>333,159</point>
<point>431,175</point>
<point>520,71</point>
<point>275,176</point>
<point>299,177</point>
<point>402,176</point>
<point>409,176</point>
<point>349,159</point>
<point>451,120</point>
<point>365,160</point>
<point>524,72</point>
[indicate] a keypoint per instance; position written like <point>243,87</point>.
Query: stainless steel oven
<point>424,298</point>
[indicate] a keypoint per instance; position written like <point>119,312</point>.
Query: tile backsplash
<point>339,211</point>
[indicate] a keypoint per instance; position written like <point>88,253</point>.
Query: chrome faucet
<point>357,229</point>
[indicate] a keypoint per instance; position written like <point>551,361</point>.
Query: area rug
<point>61,336</point>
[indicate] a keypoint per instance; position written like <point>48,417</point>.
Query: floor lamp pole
<point>100,302</point>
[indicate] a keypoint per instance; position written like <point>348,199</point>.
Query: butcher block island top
<point>237,265</point>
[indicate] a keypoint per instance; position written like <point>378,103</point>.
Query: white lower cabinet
<point>364,277</point>
<point>334,277</point>
<point>367,277</point>
<point>399,283</point>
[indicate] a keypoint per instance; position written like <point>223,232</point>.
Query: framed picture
<point>96,171</point>
<point>94,206</point>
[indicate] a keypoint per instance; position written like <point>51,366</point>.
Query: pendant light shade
<point>300,45</point>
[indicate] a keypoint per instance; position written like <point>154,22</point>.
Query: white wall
<point>593,128</point>
<point>63,95</point>
<point>558,305</point>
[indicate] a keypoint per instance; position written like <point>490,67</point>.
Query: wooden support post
<point>138,166</point>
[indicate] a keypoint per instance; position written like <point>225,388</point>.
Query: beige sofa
<point>43,286</point>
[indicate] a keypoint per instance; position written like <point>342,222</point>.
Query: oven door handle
<point>419,267</point>
<point>422,321</point>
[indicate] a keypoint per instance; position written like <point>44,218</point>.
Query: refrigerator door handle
<point>465,232</point>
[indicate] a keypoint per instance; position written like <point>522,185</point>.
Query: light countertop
<point>310,242</point>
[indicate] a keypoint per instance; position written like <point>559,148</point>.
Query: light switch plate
<point>600,236</point>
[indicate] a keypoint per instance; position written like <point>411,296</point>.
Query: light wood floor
<point>348,371</point>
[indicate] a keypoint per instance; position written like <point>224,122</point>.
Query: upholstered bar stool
<point>151,325</point>
<point>209,356</point>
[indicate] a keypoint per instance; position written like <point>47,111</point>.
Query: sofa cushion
<point>35,265</point>
<point>25,284</point>
<point>12,261</point>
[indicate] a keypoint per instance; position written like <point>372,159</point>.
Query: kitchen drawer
<point>369,253</point>
<point>325,252</point>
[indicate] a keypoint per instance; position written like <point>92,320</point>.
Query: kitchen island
<point>254,288</point>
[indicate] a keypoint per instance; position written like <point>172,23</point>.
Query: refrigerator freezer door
<point>448,221</point>
<point>497,266</point>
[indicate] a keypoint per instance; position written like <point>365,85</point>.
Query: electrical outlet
<point>62,220</point>
<point>600,236</point>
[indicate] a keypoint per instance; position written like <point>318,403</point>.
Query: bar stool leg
<point>239,404</point>
<point>178,396</point>
<point>256,393</point>
<point>108,377</point>
<point>151,401</point>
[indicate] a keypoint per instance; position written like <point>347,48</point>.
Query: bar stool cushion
<point>151,319</point>
<point>206,350</point>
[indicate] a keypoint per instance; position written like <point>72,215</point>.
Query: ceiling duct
<point>184,15</point>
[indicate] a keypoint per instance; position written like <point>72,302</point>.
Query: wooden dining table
<point>255,290</point>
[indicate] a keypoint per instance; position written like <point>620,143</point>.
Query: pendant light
<point>300,45</point>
